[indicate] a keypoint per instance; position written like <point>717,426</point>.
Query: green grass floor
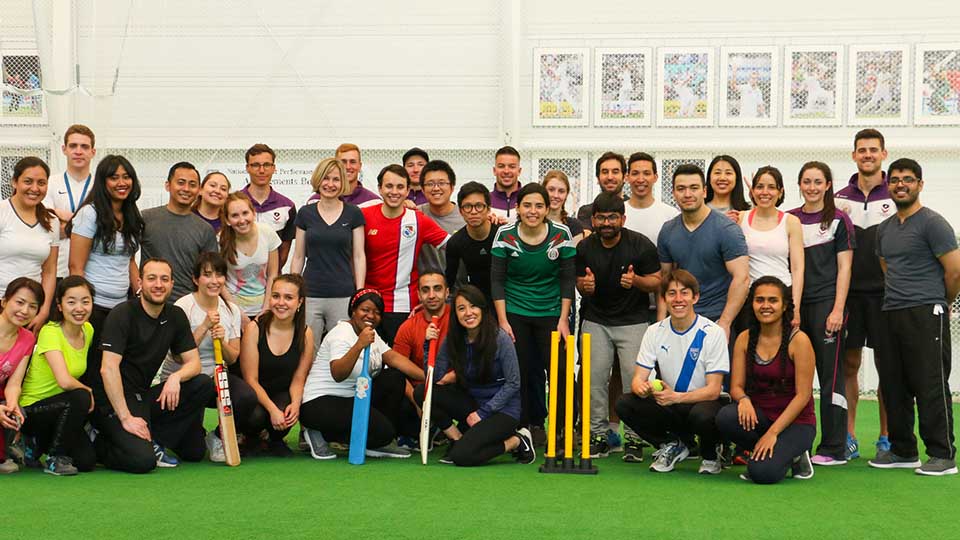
<point>298,497</point>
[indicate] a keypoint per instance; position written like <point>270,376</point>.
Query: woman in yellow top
<point>54,402</point>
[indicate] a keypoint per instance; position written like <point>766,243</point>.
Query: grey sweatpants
<point>606,342</point>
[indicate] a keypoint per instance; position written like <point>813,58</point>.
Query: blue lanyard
<point>86,184</point>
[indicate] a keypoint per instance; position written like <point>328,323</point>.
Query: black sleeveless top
<point>276,371</point>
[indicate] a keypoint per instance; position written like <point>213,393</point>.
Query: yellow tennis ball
<point>657,385</point>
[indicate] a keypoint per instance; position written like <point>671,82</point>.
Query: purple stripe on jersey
<point>852,191</point>
<point>274,201</point>
<point>361,196</point>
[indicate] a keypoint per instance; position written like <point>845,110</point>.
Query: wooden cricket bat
<point>428,400</point>
<point>361,412</point>
<point>228,430</point>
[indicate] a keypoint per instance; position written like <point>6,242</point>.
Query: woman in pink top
<point>20,305</point>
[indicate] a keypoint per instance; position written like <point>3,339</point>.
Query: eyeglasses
<point>607,218</point>
<point>906,180</point>
<point>267,165</point>
<point>431,185</point>
<point>478,207</point>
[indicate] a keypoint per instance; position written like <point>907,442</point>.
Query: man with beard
<point>610,169</point>
<point>136,422</point>
<point>918,252</point>
<point>616,270</point>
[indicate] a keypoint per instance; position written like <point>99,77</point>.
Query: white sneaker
<point>669,455</point>
<point>215,448</point>
<point>710,466</point>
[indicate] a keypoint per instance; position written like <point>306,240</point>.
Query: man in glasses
<point>471,244</point>
<point>616,270</point>
<point>437,180</point>
<point>273,209</point>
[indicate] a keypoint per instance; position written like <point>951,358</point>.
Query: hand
<point>795,322</point>
<point>217,331</point>
<point>495,219</point>
<point>137,426</point>
<point>212,319</point>
<point>764,447</point>
<point>626,280</point>
<point>641,388</point>
<point>834,322</point>
<point>170,395</point>
<point>746,414</point>
<point>37,323</point>
<point>473,419</point>
<point>11,417</point>
<point>505,326</point>
<point>410,204</point>
<point>367,336</point>
<point>588,283</point>
<point>291,414</point>
<point>734,215</point>
<point>666,396</point>
<point>278,420</point>
<point>563,326</point>
<point>432,332</point>
<point>449,377</point>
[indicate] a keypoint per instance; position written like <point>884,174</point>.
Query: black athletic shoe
<point>279,448</point>
<point>524,453</point>
<point>446,459</point>
<point>60,466</point>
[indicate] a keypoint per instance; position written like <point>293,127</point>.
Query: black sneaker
<point>937,467</point>
<point>802,468</point>
<point>446,459</point>
<point>60,466</point>
<point>633,449</point>
<point>279,448</point>
<point>599,448</point>
<point>888,460</point>
<point>524,453</point>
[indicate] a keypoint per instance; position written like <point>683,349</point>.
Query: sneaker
<point>389,451</point>
<point>446,459</point>
<point>740,456</point>
<point>633,449</point>
<point>725,454</point>
<point>278,448</point>
<point>524,453</point>
<point>853,448</point>
<point>30,452</point>
<point>164,459</point>
<point>599,448</point>
<point>670,454</point>
<point>60,466</point>
<point>937,467</point>
<point>614,442</point>
<point>883,443</point>
<point>302,444</point>
<point>802,468</point>
<point>407,443</point>
<point>824,460</point>
<point>710,466</point>
<point>745,476</point>
<point>215,448</point>
<point>889,460</point>
<point>9,467</point>
<point>316,445</point>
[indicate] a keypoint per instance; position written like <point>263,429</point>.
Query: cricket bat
<point>361,412</point>
<point>428,400</point>
<point>228,430</point>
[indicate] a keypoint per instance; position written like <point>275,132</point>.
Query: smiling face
<point>611,176</point>
<point>765,192</point>
<point>365,314</point>
<point>393,190</point>
<point>260,167</point>
<point>156,283</point>
<point>184,187</point>
<point>689,192</point>
<point>642,178</point>
<point>869,156</point>
<point>352,164</point>
<point>215,190</point>
<point>119,184</point>
<point>414,165</point>
<point>532,210</point>
<point>240,216</point>
<point>437,188</point>
<point>31,186</point>
<point>331,184</point>
<point>432,291</point>
<point>22,307</point>
<point>722,179</point>
<point>904,188</point>
<point>813,185</point>
<point>284,300</point>
<point>468,315</point>
<point>680,300</point>
<point>608,224</point>
<point>506,169</point>
<point>768,304</point>
<point>557,190</point>
<point>210,283</point>
<point>79,151</point>
<point>76,305</point>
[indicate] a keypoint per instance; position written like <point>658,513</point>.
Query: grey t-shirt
<point>430,257</point>
<point>912,250</point>
<point>179,240</point>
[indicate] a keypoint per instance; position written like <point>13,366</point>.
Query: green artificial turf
<point>298,497</point>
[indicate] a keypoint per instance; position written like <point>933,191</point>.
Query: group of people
<point>708,320</point>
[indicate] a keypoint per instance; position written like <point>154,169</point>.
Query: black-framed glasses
<point>607,218</point>
<point>906,180</point>
<point>478,207</point>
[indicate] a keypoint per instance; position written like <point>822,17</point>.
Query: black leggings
<point>57,423</point>
<point>658,424</point>
<point>250,415</point>
<point>829,352</point>
<point>532,336</point>
<point>480,443</point>
<point>333,415</point>
<point>791,443</point>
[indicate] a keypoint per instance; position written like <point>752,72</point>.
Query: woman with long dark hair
<point>477,381</point>
<point>105,234</point>
<point>275,356</point>
<point>771,384</point>
<point>54,401</point>
<point>725,192</point>
<point>29,234</point>
<point>829,241</point>
<point>21,303</point>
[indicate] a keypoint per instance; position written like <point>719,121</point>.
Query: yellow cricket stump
<point>567,464</point>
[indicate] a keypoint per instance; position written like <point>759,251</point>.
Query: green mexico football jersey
<point>532,284</point>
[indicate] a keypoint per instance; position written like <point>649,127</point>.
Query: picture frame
<point>561,81</point>
<point>749,86</point>
<point>21,88</point>
<point>936,91</point>
<point>685,84</point>
<point>877,93</point>
<point>813,85</point>
<point>623,84</point>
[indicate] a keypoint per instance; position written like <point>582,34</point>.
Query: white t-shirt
<point>108,272</point>
<point>229,318</point>
<point>247,280</point>
<point>648,221</point>
<point>338,341</point>
<point>62,197</point>
<point>23,248</point>
<point>685,359</point>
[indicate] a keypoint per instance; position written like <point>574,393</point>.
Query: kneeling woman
<point>772,385</point>
<point>478,384</point>
<point>275,354</point>
<point>327,409</point>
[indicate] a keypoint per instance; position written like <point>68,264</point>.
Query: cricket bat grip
<point>217,351</point>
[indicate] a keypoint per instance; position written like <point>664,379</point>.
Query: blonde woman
<point>558,188</point>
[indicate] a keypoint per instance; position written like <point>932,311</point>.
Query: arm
<point>11,393</point>
<point>80,247</point>
<point>568,278</point>
<point>170,394</point>
<point>951,274</point>
<point>498,276</point>
<point>795,239</point>
<point>58,365</point>
<point>398,361</point>
<point>453,265</point>
<point>844,268</point>
<point>359,258</point>
<point>646,283</point>
<point>739,269</point>
<point>299,252</point>
<point>292,412</point>
<point>113,386</point>
<point>507,356</point>
<point>665,269</point>
<point>340,368</point>
<point>746,414</point>
<point>250,366</point>
<point>639,385</point>
<point>282,252</point>
<point>48,280</point>
<point>134,275</point>
<point>273,265</point>
<point>709,392</point>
